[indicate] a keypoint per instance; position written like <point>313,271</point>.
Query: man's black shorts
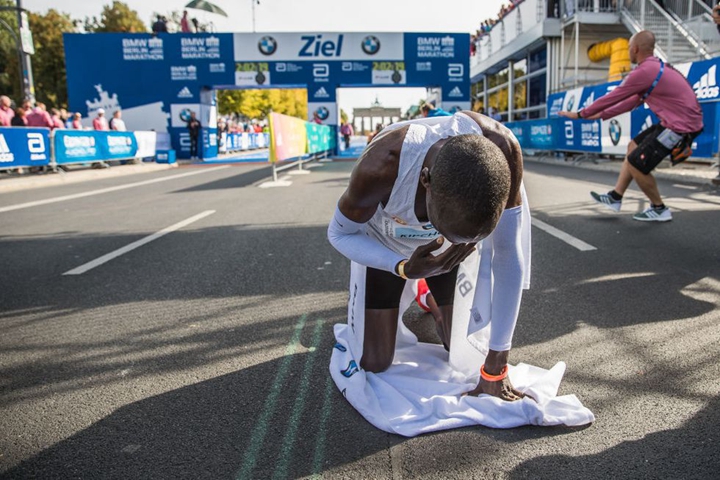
<point>650,151</point>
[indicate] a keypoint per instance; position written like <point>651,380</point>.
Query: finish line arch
<point>155,80</point>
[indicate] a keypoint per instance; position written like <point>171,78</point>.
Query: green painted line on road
<point>322,433</point>
<point>261,428</point>
<point>286,452</point>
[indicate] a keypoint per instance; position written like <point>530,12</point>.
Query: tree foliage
<point>258,103</point>
<point>118,17</point>
<point>9,71</point>
<point>48,63</point>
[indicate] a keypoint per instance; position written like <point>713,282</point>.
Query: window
<point>520,96</point>
<point>537,91</point>
<point>498,79</point>
<point>538,59</point>
<point>520,68</point>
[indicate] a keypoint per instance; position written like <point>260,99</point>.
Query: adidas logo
<point>185,93</point>
<point>321,93</point>
<point>589,100</point>
<point>5,154</point>
<point>455,92</point>
<point>707,86</point>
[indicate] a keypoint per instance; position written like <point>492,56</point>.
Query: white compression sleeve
<point>350,239</point>
<point>507,272</point>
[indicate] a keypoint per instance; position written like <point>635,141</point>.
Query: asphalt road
<point>203,351</point>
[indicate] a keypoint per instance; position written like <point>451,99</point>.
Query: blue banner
<point>81,146</point>
<point>24,147</point>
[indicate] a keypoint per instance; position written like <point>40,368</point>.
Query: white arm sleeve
<point>507,275</point>
<point>350,239</point>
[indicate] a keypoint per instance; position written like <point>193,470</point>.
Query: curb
<point>684,173</point>
<point>33,181</point>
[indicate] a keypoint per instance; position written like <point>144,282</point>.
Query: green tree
<point>49,60</point>
<point>9,62</point>
<point>258,103</point>
<point>117,17</point>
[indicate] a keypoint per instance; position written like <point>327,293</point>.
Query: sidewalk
<point>689,172</point>
<point>77,174</point>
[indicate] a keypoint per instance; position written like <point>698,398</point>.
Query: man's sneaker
<point>607,200</point>
<point>654,215</point>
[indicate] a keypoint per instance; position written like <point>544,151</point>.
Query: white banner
<point>272,47</point>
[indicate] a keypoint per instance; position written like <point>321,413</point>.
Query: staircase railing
<point>648,15</point>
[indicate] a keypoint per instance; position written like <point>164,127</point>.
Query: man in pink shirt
<point>669,95</point>
<point>6,111</point>
<point>39,117</point>
<point>100,122</point>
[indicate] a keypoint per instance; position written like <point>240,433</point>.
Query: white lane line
<point>105,190</point>
<point>132,246</point>
<point>565,237</point>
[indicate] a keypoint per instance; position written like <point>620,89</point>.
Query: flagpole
<point>253,13</point>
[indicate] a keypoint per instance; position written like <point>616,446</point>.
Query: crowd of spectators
<point>28,115</point>
<point>187,25</point>
<point>486,26</point>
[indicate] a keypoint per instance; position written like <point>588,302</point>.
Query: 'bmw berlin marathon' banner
<point>178,71</point>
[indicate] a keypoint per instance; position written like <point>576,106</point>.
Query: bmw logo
<point>322,113</point>
<point>570,103</point>
<point>185,115</point>
<point>371,45</point>
<point>615,131</point>
<point>267,45</point>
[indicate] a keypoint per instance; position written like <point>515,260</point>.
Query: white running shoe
<point>607,201</point>
<point>654,215</point>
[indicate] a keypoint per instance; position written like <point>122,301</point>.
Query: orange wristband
<point>493,378</point>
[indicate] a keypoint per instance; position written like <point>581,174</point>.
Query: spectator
<point>196,24</point>
<point>494,114</point>
<point>6,111</point>
<point>194,126</point>
<point>185,23</point>
<point>117,123</point>
<point>65,117</point>
<point>19,119</point>
<point>430,110</point>
<point>160,25</point>
<point>40,117</point>
<point>55,117</point>
<point>346,131</point>
<point>27,106</point>
<point>76,125</point>
<point>100,122</point>
<point>667,93</point>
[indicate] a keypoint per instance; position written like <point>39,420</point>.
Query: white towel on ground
<point>422,391</point>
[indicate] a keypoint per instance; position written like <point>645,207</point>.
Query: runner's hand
<point>423,263</point>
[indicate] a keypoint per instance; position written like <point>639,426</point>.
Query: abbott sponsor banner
<point>318,46</point>
<point>288,137</point>
<point>72,146</point>
<point>24,147</point>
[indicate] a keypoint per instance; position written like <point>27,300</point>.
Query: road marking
<point>37,203</point>
<point>132,246</point>
<point>299,405</point>
<point>261,428</point>
<point>565,237</point>
<point>322,429</point>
